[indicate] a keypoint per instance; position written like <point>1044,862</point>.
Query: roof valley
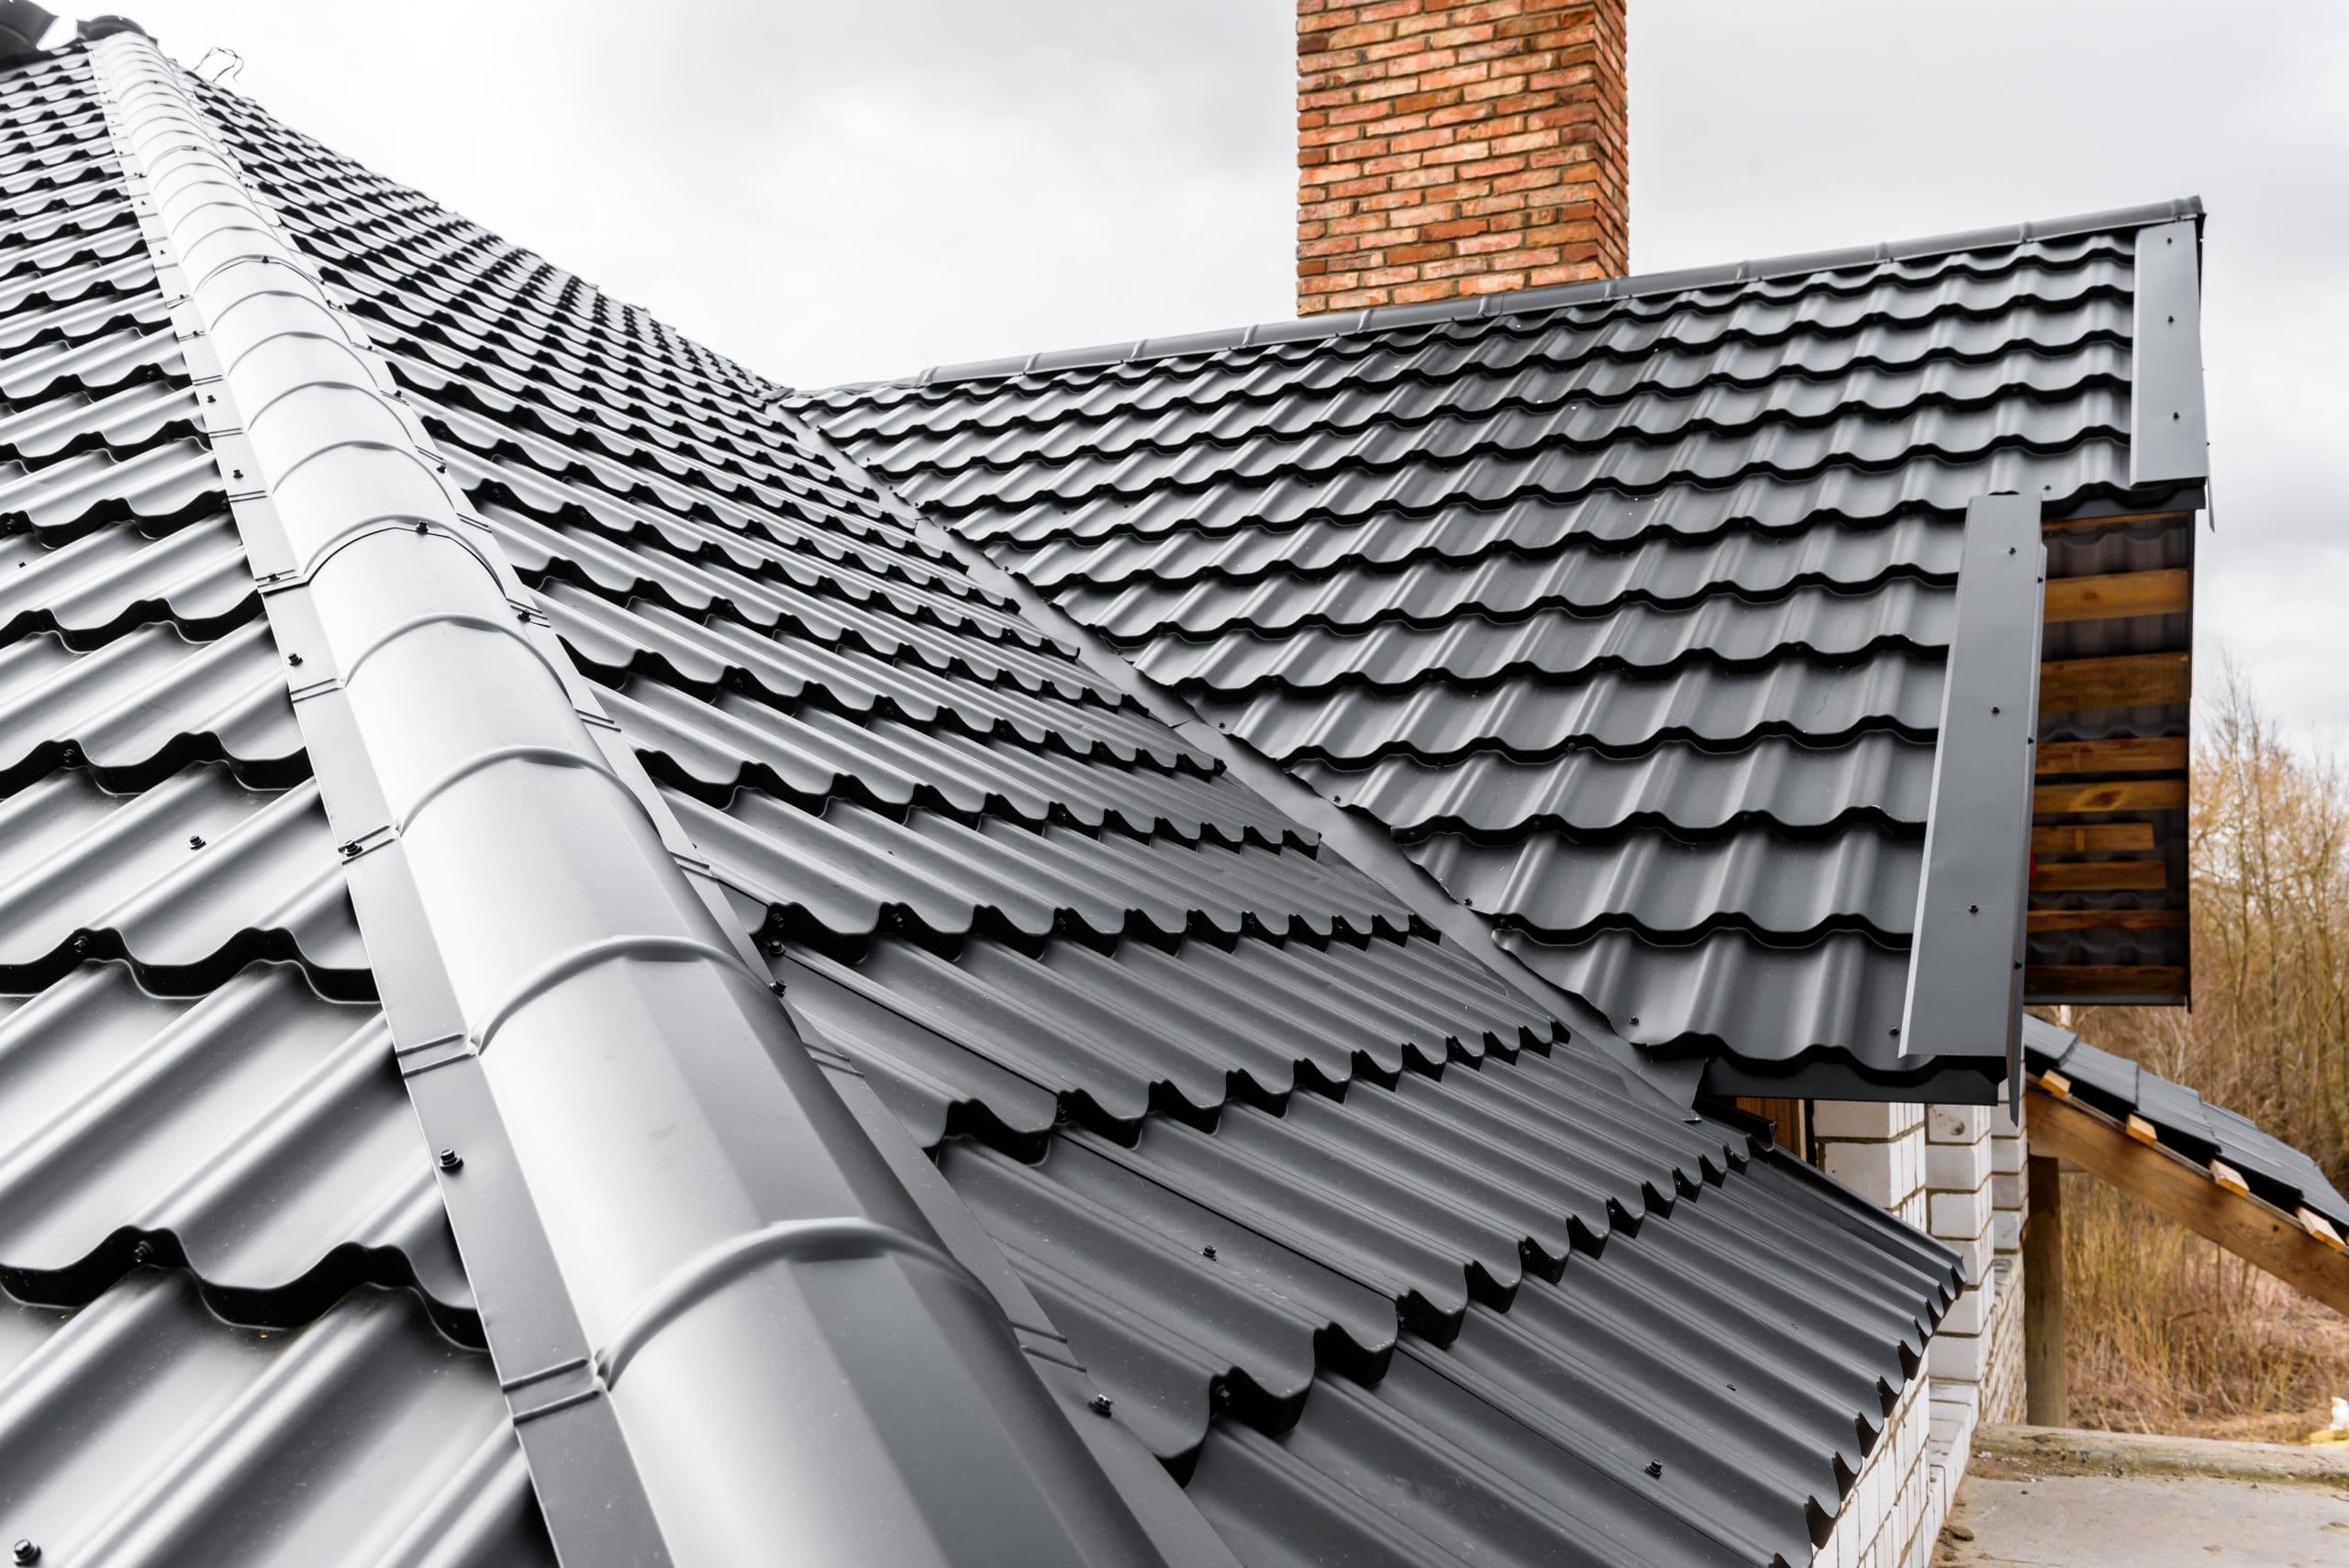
<point>1365,844</point>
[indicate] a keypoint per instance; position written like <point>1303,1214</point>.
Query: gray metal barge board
<point>557,949</point>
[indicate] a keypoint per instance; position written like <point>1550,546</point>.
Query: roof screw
<point>1896,1031</point>
<point>422,526</point>
<point>1974,908</point>
<point>236,474</point>
<point>209,398</point>
<point>142,1254</point>
<point>351,850</point>
<point>2173,413</point>
<point>1099,1405</point>
<point>449,1159</point>
<point>293,658</point>
<point>1208,1253</point>
<point>1994,708</point>
<point>777,988</point>
<point>25,1551</point>
<point>195,840</point>
<point>1655,1469</point>
<point>2010,550</point>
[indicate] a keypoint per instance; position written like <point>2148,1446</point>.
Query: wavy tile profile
<point>1628,610</point>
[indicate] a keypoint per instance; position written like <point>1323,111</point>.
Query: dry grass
<point>2171,1334</point>
<point>2168,1333</point>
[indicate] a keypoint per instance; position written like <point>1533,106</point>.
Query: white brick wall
<point>1885,1509</point>
<point>1956,1173</point>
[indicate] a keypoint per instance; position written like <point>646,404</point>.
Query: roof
<point>1273,1193</point>
<point>1634,611</point>
<point>2184,1121</point>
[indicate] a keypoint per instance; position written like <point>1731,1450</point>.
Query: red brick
<point>1458,147</point>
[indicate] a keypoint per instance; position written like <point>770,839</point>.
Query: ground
<point>2042,1499</point>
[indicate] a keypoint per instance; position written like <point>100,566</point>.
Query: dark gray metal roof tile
<point>2120,1087</point>
<point>1651,559</point>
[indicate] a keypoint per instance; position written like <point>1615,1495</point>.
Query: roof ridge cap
<point>1518,301</point>
<point>642,1168</point>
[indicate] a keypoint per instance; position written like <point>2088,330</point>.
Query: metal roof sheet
<point>1628,609</point>
<point>1085,968</point>
<point>2122,1088</point>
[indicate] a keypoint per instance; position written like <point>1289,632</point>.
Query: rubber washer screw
<point>449,1159</point>
<point>1099,1405</point>
<point>1655,1469</point>
<point>25,1551</point>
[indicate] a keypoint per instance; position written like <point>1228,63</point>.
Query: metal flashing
<point>1966,958</point>
<point>571,1210</point>
<point>1601,291</point>
<point>2169,434</point>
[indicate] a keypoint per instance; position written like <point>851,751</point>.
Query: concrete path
<point>2035,1497</point>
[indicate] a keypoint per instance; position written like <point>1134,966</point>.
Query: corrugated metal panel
<point>142,1428</point>
<point>1629,616</point>
<point>200,1120</point>
<point>1070,954</point>
<point>2121,1088</point>
<point>1466,1280</point>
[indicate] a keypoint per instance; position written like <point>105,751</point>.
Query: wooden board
<point>2126,680</point>
<point>2110,794</point>
<point>2119,596</point>
<point>2100,876</point>
<point>2173,1186</point>
<point>2103,979</point>
<point>2093,839</point>
<point>2128,754</point>
<point>2065,524</point>
<point>2107,919</point>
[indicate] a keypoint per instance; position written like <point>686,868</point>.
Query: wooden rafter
<point>2100,876</point>
<point>2123,754</point>
<point>2093,839</point>
<point>2199,1196</point>
<point>2124,680</point>
<point>2113,795</point>
<point>2108,919</point>
<point>2080,981</point>
<point>2169,591</point>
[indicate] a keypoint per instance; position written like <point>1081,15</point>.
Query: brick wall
<point>1956,1173</point>
<point>1458,147</point>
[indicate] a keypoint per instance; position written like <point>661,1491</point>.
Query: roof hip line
<point>649,1105</point>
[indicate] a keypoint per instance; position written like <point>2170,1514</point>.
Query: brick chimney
<point>1458,147</point>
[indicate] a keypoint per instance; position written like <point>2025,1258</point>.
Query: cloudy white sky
<point>832,193</point>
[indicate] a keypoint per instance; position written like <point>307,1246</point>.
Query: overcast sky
<point>832,193</point>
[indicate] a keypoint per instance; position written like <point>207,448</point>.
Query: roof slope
<point>1626,607</point>
<point>1340,1226</point>
<point>2117,1086</point>
<point>199,1112</point>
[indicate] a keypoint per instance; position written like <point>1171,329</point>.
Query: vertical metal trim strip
<point>2169,434</point>
<point>1966,957</point>
<point>349,527</point>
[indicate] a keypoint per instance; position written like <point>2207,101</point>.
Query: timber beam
<point>2300,1249</point>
